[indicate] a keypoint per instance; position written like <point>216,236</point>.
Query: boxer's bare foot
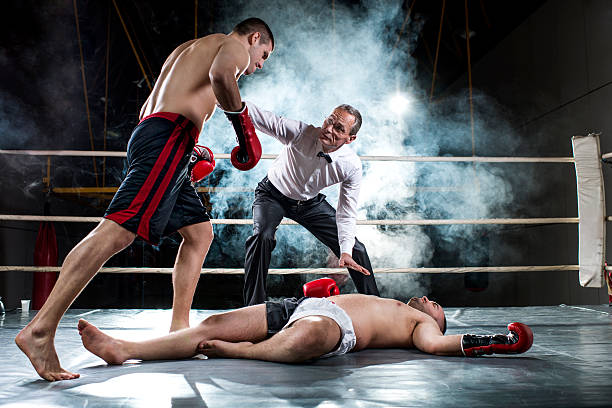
<point>219,348</point>
<point>107,348</point>
<point>38,346</point>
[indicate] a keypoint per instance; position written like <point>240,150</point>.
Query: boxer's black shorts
<point>278,313</point>
<point>156,198</point>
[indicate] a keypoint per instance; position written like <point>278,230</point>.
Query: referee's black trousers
<point>316,215</point>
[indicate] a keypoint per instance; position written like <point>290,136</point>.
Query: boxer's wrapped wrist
<point>227,112</point>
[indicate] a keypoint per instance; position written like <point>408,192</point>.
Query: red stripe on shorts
<point>136,204</point>
<point>143,228</point>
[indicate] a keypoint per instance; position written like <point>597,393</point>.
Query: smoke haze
<point>323,57</point>
<point>326,57</point>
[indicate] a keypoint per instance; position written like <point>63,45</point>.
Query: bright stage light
<point>399,103</point>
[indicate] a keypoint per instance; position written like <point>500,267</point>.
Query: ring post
<point>591,207</point>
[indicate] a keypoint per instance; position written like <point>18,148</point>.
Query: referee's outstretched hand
<point>347,261</point>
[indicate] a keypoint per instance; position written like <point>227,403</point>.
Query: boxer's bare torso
<point>184,84</point>
<point>380,322</point>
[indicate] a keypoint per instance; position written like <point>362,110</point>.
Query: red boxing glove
<point>201,163</point>
<point>246,155</point>
<point>519,340</point>
<point>320,288</point>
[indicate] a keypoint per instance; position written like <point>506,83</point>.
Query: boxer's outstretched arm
<point>428,338</point>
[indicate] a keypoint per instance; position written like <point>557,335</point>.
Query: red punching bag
<point>608,275</point>
<point>45,254</point>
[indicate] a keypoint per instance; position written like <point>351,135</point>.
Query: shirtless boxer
<point>293,331</point>
<point>156,197</point>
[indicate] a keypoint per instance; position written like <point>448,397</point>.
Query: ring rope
<point>482,159</point>
<point>318,271</point>
<point>228,189</point>
<point>478,221</point>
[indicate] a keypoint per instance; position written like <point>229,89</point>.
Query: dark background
<point>43,107</point>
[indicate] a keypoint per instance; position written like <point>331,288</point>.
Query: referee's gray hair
<point>355,113</point>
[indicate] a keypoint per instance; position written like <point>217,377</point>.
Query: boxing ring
<point>569,365</point>
<point>591,221</point>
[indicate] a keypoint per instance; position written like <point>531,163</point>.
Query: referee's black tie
<point>327,157</point>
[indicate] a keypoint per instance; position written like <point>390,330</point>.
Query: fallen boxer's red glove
<point>519,340</point>
<point>201,163</point>
<point>246,155</point>
<point>320,288</point>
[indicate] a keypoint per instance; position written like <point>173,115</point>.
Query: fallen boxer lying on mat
<point>293,331</point>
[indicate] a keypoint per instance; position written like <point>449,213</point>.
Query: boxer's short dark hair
<point>356,114</point>
<point>252,25</point>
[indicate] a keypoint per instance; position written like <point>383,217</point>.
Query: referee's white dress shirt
<point>299,174</point>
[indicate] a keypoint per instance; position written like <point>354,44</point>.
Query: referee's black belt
<point>281,197</point>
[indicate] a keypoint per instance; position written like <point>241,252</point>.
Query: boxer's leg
<point>267,215</point>
<point>247,324</point>
<point>81,264</point>
<point>320,220</point>
<point>187,268</point>
<point>181,210</point>
<point>308,338</point>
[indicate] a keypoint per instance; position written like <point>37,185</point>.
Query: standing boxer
<point>156,197</point>
<point>313,158</point>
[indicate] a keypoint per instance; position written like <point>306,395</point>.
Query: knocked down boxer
<point>294,331</point>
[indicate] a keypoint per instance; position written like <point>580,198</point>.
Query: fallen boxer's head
<point>433,309</point>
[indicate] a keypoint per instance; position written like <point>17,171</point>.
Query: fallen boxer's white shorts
<point>327,308</point>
